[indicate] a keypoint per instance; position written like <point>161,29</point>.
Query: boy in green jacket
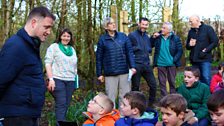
<point>196,94</point>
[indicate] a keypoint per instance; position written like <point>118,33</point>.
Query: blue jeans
<point>205,70</point>
<point>146,72</point>
<point>62,96</point>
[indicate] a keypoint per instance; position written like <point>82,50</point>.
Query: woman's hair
<point>221,65</point>
<point>65,30</point>
<point>106,21</point>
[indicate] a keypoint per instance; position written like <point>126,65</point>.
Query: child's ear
<point>135,111</point>
<point>102,111</point>
<point>181,115</point>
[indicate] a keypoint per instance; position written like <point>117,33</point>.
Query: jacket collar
<point>107,36</point>
<point>114,114</point>
<point>197,29</point>
<point>140,32</point>
<point>34,42</point>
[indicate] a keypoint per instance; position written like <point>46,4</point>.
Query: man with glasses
<point>114,58</point>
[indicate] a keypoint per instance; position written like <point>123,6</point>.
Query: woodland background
<point>84,18</point>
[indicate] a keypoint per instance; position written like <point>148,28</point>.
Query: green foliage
<point>80,100</point>
<point>179,79</point>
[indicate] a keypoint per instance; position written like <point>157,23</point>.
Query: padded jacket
<point>205,38</point>
<point>197,97</point>
<point>149,118</point>
<point>22,86</point>
<point>175,48</point>
<point>114,55</point>
<point>141,46</point>
<point>106,120</point>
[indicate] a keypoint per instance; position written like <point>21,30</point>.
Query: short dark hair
<point>216,100</point>
<point>71,43</point>
<point>143,19</point>
<point>175,102</point>
<point>194,70</point>
<point>220,66</point>
<point>136,100</point>
<point>40,12</point>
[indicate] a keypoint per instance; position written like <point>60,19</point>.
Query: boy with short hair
<point>100,111</point>
<point>216,107</point>
<point>174,111</point>
<point>196,93</point>
<point>133,108</point>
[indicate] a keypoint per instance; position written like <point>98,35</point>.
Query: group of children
<point>194,105</point>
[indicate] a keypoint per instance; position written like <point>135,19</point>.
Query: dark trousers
<point>146,72</point>
<point>167,73</point>
<point>20,121</point>
<point>63,96</point>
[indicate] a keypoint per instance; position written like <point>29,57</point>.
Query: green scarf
<point>67,51</point>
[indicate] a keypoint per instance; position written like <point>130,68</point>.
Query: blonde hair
<point>108,103</point>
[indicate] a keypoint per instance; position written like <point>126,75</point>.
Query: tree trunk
<point>91,72</point>
<point>140,9</point>
<point>133,16</point>
<point>62,15</point>
<point>3,24</point>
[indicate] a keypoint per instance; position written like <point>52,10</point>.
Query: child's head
<point>191,75</point>
<point>133,104</point>
<point>216,107</point>
<point>173,107</point>
<point>100,104</point>
<point>221,66</point>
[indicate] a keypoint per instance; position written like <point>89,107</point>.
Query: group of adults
<point>22,84</point>
<point>119,55</point>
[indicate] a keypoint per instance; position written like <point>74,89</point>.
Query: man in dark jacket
<point>168,52</point>
<point>142,48</point>
<point>22,86</point>
<point>114,57</point>
<point>201,40</point>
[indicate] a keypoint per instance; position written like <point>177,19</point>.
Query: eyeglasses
<point>94,101</point>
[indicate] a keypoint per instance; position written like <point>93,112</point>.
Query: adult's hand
<point>51,85</point>
<point>101,79</point>
<point>133,70</point>
<point>192,42</point>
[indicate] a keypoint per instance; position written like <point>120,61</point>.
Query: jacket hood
<point>115,115</point>
<point>149,116</point>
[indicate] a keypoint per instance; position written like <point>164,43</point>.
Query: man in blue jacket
<point>201,40</point>
<point>142,48</point>
<point>22,86</point>
<point>168,52</point>
<point>114,58</point>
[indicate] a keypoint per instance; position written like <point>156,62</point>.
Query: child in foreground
<point>174,111</point>
<point>134,112</point>
<point>196,94</point>
<point>217,79</point>
<point>100,112</point>
<point>216,108</point>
